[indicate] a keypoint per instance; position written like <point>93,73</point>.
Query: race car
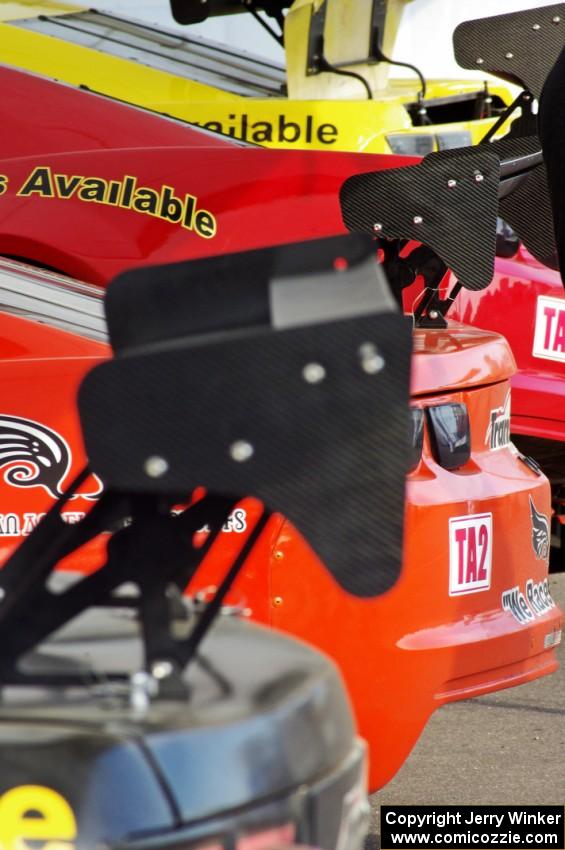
<point>333,93</point>
<point>526,301</point>
<point>219,733</point>
<point>87,201</point>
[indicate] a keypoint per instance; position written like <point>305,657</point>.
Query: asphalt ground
<point>507,748</point>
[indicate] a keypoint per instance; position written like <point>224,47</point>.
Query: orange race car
<point>471,612</point>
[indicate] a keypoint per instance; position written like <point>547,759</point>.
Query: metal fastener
<point>556,19</point>
<point>155,466</point>
<point>377,227</point>
<point>452,183</point>
<point>161,669</point>
<point>241,450</point>
<point>480,61</point>
<point>434,314</point>
<point>418,219</point>
<point>313,373</point>
<point>372,360</point>
<point>509,55</point>
<point>536,27</point>
<point>278,601</point>
<point>278,555</point>
<point>479,177</point>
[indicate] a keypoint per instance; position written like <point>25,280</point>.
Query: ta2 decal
<point>498,431</point>
<point>525,607</point>
<point>540,533</point>
<point>549,337</point>
<point>470,554</point>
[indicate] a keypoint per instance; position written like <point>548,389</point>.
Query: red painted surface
<point>401,655</point>
<point>510,307</point>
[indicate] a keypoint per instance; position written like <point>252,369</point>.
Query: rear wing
<point>450,201</point>
<point>295,391</point>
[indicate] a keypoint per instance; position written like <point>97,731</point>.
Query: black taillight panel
<point>416,439</point>
<point>450,434</point>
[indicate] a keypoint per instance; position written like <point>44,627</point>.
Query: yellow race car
<point>336,92</point>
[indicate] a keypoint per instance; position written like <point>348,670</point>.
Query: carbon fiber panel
<point>329,454</point>
<point>520,46</point>
<point>449,202</point>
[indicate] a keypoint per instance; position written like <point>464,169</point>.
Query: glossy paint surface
<point>511,306</point>
<point>401,655</point>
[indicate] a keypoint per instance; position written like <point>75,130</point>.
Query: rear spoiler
<point>451,200</point>
<point>294,392</point>
<point>197,11</point>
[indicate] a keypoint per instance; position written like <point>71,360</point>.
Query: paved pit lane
<point>507,748</point>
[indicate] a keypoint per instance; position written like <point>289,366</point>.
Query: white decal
<point>470,553</point>
<point>498,431</point>
<point>549,338</point>
<point>552,639</point>
<point>525,607</point>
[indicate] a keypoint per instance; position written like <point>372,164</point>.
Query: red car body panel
<point>512,306</point>
<point>425,642</point>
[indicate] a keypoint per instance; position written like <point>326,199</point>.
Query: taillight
<point>411,144</point>
<point>457,139</point>
<point>416,439</point>
<point>450,434</point>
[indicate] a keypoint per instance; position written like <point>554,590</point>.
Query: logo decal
<point>549,337</point>
<point>470,554</point>
<point>35,455</point>
<point>498,431</point>
<point>525,607</point>
<point>540,533</point>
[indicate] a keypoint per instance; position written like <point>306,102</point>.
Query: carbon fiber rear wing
<point>450,202</point>
<point>280,374</point>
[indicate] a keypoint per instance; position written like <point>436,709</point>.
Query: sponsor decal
<point>296,132</point>
<point>36,456</point>
<point>498,431</point>
<point>32,815</point>
<point>534,602</point>
<point>126,194</point>
<point>237,521</point>
<point>549,336</point>
<point>470,554</point>
<point>540,533</point>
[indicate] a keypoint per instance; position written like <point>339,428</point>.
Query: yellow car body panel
<point>324,122</point>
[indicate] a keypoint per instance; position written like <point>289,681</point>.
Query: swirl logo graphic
<point>36,456</point>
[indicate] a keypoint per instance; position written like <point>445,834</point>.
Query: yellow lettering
<point>41,181</point>
<point>3,183</point>
<point>34,813</point>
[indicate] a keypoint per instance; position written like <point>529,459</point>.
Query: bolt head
<point>155,466</point>
<point>451,183</point>
<point>279,555</point>
<point>509,55</point>
<point>536,27</point>
<point>372,361</point>
<point>377,227</point>
<point>479,177</point>
<point>434,314</point>
<point>556,19</point>
<point>278,601</point>
<point>418,219</point>
<point>313,373</point>
<point>161,669</point>
<point>480,61</point>
<point>241,450</point>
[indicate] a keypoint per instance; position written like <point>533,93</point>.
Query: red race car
<point>90,187</point>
